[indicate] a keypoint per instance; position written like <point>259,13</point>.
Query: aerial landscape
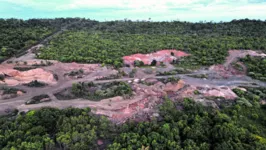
<point>78,83</point>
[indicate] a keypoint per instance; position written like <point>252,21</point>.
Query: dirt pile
<point>226,72</point>
<point>166,56</point>
<point>199,91</point>
<point>187,92</point>
<point>21,77</point>
<point>224,92</point>
<point>174,87</point>
<point>65,68</point>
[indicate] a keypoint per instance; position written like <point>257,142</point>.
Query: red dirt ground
<point>226,70</point>
<point>159,56</point>
<point>20,77</point>
<point>130,110</point>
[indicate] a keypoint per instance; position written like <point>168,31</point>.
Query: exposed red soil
<point>119,110</point>
<point>219,91</point>
<point>147,97</point>
<point>130,110</point>
<point>16,77</point>
<point>43,74</point>
<point>225,92</point>
<point>173,87</point>
<point>226,70</point>
<point>160,56</point>
<point>236,54</point>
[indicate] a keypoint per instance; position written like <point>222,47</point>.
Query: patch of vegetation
<point>38,99</point>
<point>35,83</point>
<point>199,76</point>
<point>9,90</point>
<point>75,73</point>
<point>188,66</point>
<point>167,73</point>
<point>255,67</point>
<point>193,127</point>
<point>132,73</point>
<point>100,91</point>
<point>196,92</point>
<point>147,83</point>
<point>2,77</point>
<point>170,79</point>
<point>154,62</point>
<point>55,77</point>
<point>49,128</point>
<point>250,114</point>
<point>183,70</point>
<point>43,63</point>
<point>238,67</point>
<point>174,72</point>
<point>110,77</point>
<point>24,68</point>
<point>138,63</point>
<point>252,95</point>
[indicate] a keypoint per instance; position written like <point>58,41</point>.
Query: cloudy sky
<point>157,10</point>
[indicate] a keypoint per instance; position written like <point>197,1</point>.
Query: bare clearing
<point>148,89</point>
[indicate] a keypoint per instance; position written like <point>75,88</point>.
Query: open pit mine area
<point>120,94</point>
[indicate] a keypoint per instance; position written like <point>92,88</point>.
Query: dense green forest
<point>91,41</point>
<point>243,28</point>
<point>187,126</point>
<point>17,35</point>
<point>108,42</point>
<point>255,67</point>
<point>81,46</point>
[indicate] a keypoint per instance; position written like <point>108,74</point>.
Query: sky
<point>156,10</point>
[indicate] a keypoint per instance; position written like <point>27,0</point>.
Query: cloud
<point>188,10</point>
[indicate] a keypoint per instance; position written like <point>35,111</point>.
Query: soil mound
<point>21,77</point>
<point>174,87</point>
<point>166,56</point>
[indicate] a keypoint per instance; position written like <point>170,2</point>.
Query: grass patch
<point>100,91</point>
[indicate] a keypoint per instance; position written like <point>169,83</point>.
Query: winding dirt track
<point>19,102</point>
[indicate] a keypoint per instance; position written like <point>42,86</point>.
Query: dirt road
<point>19,102</point>
<point>63,83</point>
